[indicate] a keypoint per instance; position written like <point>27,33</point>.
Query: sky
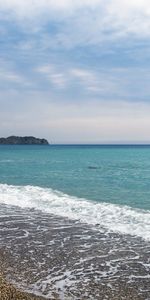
<point>75,71</point>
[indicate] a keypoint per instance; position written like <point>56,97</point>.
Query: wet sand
<point>10,292</point>
<point>57,258</point>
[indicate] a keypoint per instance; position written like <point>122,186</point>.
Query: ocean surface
<point>77,218</point>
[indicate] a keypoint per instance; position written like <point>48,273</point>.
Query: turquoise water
<point>104,185</point>
<point>119,175</point>
<point>76,219</point>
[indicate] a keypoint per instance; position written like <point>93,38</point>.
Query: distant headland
<point>23,140</point>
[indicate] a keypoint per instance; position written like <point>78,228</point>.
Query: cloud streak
<point>91,121</point>
<point>75,70</point>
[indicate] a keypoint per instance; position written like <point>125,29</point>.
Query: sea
<point>75,220</point>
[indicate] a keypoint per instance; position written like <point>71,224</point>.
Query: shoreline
<point>9,292</point>
<point>57,258</point>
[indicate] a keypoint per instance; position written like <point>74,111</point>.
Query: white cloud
<point>84,75</point>
<point>65,24</point>
<point>79,77</point>
<point>128,83</point>
<point>9,75</point>
<point>56,77</point>
<point>86,21</point>
<point>70,76</point>
<point>41,5</point>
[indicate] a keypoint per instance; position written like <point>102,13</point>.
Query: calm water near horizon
<point>87,201</point>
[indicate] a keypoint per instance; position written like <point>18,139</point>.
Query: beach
<point>57,258</point>
<point>75,222</point>
<point>9,292</point>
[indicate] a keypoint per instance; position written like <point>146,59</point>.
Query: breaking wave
<point>114,218</point>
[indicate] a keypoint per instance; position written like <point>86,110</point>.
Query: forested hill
<point>26,140</point>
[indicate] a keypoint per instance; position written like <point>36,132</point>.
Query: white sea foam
<point>114,218</point>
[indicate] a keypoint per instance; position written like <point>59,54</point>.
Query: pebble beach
<point>10,292</point>
<point>64,260</point>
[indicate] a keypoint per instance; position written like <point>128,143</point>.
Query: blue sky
<point>75,71</point>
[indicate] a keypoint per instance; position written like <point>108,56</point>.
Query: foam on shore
<point>111,217</point>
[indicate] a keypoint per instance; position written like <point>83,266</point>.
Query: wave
<point>113,218</point>
<point>3,161</point>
